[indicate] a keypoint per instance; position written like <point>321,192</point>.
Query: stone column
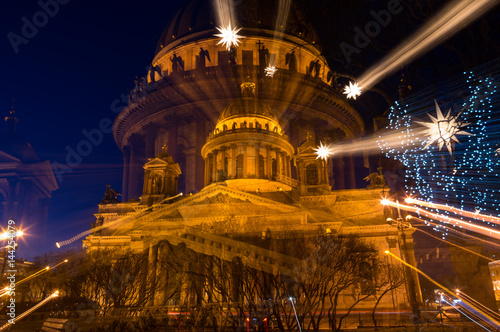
<point>410,259</point>
<point>161,281</point>
<point>288,166</point>
<point>126,167</point>
<point>151,135</point>
<point>283,159</point>
<point>350,172</point>
<point>257,161</point>
<point>172,140</point>
<point>136,172</point>
<point>190,170</point>
<point>207,169</point>
<point>267,162</point>
<point>201,138</point>
<point>245,161</point>
<point>214,165</point>
<point>338,166</point>
<point>152,261</point>
<point>231,173</point>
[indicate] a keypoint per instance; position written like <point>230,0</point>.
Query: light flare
<point>353,90</point>
<point>323,151</point>
<point>228,36</point>
<point>443,129</point>
<point>270,71</point>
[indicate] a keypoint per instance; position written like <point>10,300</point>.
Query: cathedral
<point>219,147</point>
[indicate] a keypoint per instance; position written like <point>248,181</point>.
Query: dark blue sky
<point>64,80</point>
<point>67,76</point>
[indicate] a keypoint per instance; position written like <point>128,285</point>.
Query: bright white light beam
<point>467,214</point>
<point>445,219</point>
<point>445,24</point>
<point>27,312</point>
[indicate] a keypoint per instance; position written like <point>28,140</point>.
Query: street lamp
<point>9,235</point>
<point>402,226</point>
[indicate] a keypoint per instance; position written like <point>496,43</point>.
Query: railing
<point>287,180</point>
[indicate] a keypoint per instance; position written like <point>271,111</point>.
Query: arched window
<point>239,166</point>
<point>311,175</point>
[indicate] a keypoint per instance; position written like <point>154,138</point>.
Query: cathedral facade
<point>217,149</point>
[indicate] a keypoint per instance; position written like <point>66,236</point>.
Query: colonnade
<point>246,160</point>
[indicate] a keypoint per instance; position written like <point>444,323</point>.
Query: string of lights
<point>466,174</point>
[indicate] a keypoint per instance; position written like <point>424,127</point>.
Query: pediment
<point>307,150</point>
<point>220,200</point>
<point>5,157</point>
<point>156,162</point>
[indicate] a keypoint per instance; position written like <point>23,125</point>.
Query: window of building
<point>311,175</point>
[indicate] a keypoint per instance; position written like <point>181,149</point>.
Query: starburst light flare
<point>323,151</point>
<point>353,90</point>
<point>270,71</point>
<point>443,129</point>
<point>229,36</point>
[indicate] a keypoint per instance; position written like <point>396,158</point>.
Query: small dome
<point>163,155</point>
<point>247,107</point>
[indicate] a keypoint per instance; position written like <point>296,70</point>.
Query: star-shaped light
<point>323,151</point>
<point>443,129</point>
<point>270,71</point>
<point>353,90</point>
<point>497,152</point>
<point>229,36</point>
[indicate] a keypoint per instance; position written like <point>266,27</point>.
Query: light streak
<point>293,305</point>
<point>460,293</point>
<point>27,312</point>
<point>461,234</point>
<point>122,220</point>
<point>456,245</point>
<point>445,219</point>
<point>353,90</point>
<point>34,275</point>
<point>468,214</point>
<point>445,24</point>
<point>463,313</point>
<point>450,292</point>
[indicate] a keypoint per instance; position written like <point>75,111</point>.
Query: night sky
<point>65,80</point>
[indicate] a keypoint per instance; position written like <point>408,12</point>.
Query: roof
<point>17,146</point>
<point>199,15</point>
